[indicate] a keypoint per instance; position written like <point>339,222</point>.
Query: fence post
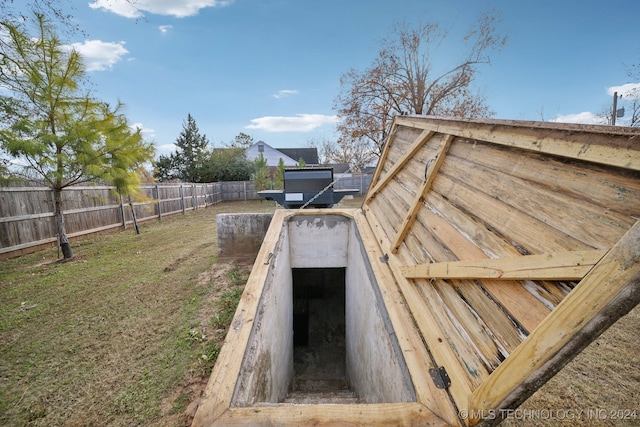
<point>194,194</point>
<point>181,198</point>
<point>159,202</point>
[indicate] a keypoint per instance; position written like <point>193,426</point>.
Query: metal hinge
<point>440,377</point>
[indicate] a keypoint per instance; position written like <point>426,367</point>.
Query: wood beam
<point>385,153</point>
<point>417,145</point>
<point>563,142</point>
<point>572,265</point>
<point>379,415</point>
<point>430,174</point>
<point>609,291</point>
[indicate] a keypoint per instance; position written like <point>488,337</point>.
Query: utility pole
<point>615,109</point>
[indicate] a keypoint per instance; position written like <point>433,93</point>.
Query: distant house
<point>290,156</point>
<point>309,155</point>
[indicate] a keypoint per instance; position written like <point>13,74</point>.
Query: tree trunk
<point>133,215</point>
<point>62,233</point>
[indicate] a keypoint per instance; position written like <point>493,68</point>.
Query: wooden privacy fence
<point>27,213</point>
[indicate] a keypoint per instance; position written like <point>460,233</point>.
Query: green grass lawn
<point>108,338</point>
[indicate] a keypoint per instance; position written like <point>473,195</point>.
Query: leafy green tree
<point>188,162</point>
<point>228,164</point>
<point>166,168</point>
<point>261,176</point>
<point>242,140</point>
<point>278,176</point>
<point>58,133</point>
<point>301,163</point>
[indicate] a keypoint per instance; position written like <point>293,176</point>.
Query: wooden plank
<point>219,391</point>
<point>431,172</point>
<point>612,188</point>
<point>417,145</point>
<point>492,244</point>
<point>502,327</point>
<point>551,293</point>
<point>429,322</point>
<point>402,141</point>
<point>416,356</point>
<point>26,217</point>
<point>609,291</point>
<point>554,266</point>
<point>594,225</point>
<point>379,415</point>
<point>521,305</point>
<point>420,246</point>
<point>477,336</point>
<point>572,142</point>
<point>385,153</point>
<point>389,217</point>
<point>520,230</point>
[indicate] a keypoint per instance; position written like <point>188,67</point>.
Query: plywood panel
<point>614,188</point>
<point>594,225</point>
<point>525,233</point>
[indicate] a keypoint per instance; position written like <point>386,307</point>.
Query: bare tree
<point>634,97</point>
<point>356,156</point>
<point>406,78</point>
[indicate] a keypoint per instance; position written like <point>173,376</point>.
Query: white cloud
<point>585,118</point>
<point>298,123</point>
<point>164,28</point>
<point>98,55</point>
<point>136,9</point>
<point>626,90</point>
<point>166,149</point>
<point>147,133</point>
<point>285,92</point>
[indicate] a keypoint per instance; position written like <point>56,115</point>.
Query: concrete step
<point>339,397</point>
<point>319,384</point>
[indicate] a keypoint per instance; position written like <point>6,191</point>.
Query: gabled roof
<point>271,155</point>
<point>309,155</point>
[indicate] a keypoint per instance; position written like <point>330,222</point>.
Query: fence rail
<point>27,213</point>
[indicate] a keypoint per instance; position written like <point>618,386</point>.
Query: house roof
<point>271,155</point>
<point>290,156</point>
<point>309,155</point>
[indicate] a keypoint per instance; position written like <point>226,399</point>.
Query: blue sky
<point>271,68</point>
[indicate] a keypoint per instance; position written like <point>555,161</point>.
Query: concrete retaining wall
<point>240,235</point>
<point>375,368</point>
<point>268,363</point>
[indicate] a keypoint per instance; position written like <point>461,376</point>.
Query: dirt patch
<point>221,279</point>
<point>175,264</point>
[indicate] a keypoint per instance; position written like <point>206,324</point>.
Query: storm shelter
<point>485,256</point>
<point>322,333</point>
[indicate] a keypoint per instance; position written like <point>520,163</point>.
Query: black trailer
<point>307,187</point>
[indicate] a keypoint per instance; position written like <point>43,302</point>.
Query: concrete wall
<point>318,241</point>
<point>267,369</point>
<point>375,368</point>
<point>240,235</point>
